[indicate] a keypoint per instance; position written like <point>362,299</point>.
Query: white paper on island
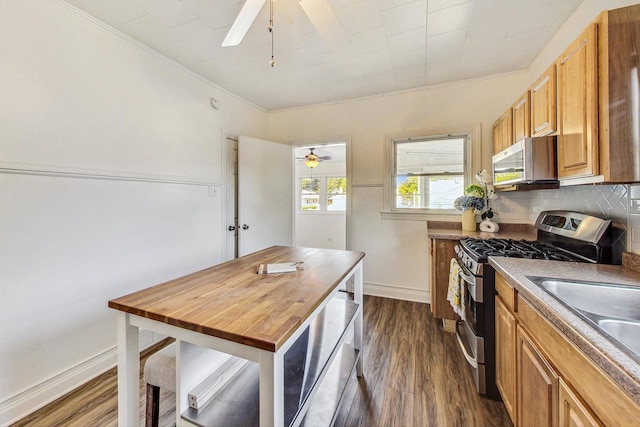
<point>283,267</point>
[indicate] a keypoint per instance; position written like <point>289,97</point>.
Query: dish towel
<point>455,293</point>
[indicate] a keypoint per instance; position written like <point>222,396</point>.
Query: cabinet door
<point>441,253</point>
<point>506,131</point>
<point>537,390</point>
<point>521,119</point>
<point>506,356</point>
<point>543,104</point>
<point>497,135</point>
<point>578,108</point>
<point>573,412</point>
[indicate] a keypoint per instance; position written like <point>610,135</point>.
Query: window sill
<point>442,215</point>
<point>311,212</point>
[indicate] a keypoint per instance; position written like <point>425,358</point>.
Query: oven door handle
<point>467,278</point>
<point>472,361</point>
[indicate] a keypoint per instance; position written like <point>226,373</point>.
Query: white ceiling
<point>390,45</point>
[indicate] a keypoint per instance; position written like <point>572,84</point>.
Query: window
<point>323,194</point>
<point>427,173</point>
<point>310,194</point>
<point>337,194</point>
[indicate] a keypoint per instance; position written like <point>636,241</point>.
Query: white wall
<point>114,152</point>
<point>396,261</point>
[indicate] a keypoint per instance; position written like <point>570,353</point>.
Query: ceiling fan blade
<point>324,19</point>
<point>243,22</point>
<point>325,158</point>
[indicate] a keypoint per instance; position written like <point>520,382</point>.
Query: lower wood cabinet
<point>441,251</point>
<point>506,356</point>
<point>572,411</point>
<point>544,379</point>
<point>537,388</point>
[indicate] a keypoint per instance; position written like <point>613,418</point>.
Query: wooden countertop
<point>232,302</point>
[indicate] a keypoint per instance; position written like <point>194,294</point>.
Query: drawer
<point>508,295</point>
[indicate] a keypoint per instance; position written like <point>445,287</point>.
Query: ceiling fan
<point>312,160</point>
<point>319,12</point>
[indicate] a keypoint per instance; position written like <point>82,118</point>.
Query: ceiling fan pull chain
<point>273,61</point>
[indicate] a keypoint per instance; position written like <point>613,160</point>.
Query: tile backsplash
<point>619,202</point>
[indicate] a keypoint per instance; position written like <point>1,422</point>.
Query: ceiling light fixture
<point>311,162</point>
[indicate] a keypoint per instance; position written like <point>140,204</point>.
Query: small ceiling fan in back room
<point>319,13</point>
<point>312,160</point>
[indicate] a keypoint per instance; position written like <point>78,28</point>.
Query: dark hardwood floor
<point>414,375</point>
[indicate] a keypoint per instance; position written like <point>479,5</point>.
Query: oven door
<point>470,340</point>
<point>473,350</point>
<point>472,288</point>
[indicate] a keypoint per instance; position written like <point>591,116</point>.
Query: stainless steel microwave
<point>530,160</point>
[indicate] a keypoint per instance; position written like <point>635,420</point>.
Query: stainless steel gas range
<point>561,236</point>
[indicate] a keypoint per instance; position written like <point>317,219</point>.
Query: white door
<point>265,188</point>
<point>231,227</point>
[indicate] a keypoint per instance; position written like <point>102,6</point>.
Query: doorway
<point>319,215</point>
<point>321,196</point>
<point>259,206</point>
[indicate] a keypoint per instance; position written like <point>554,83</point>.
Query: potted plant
<point>469,205</point>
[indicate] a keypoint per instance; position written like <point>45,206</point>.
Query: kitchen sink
<point>624,330</point>
<point>612,309</point>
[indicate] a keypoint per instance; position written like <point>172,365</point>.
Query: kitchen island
<point>257,317</point>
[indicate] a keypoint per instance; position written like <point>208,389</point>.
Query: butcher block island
<point>298,335</point>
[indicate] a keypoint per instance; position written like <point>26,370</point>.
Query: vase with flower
<point>476,198</point>
<point>487,224</point>
<point>469,205</point>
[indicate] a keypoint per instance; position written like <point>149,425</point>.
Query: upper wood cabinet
<point>521,120</point>
<point>598,82</point>
<point>578,107</point>
<point>543,104</point>
<point>619,80</point>
<point>503,132</point>
<point>497,142</point>
<point>589,99</point>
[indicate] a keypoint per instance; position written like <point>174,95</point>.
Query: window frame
<point>472,162</point>
<point>323,201</point>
